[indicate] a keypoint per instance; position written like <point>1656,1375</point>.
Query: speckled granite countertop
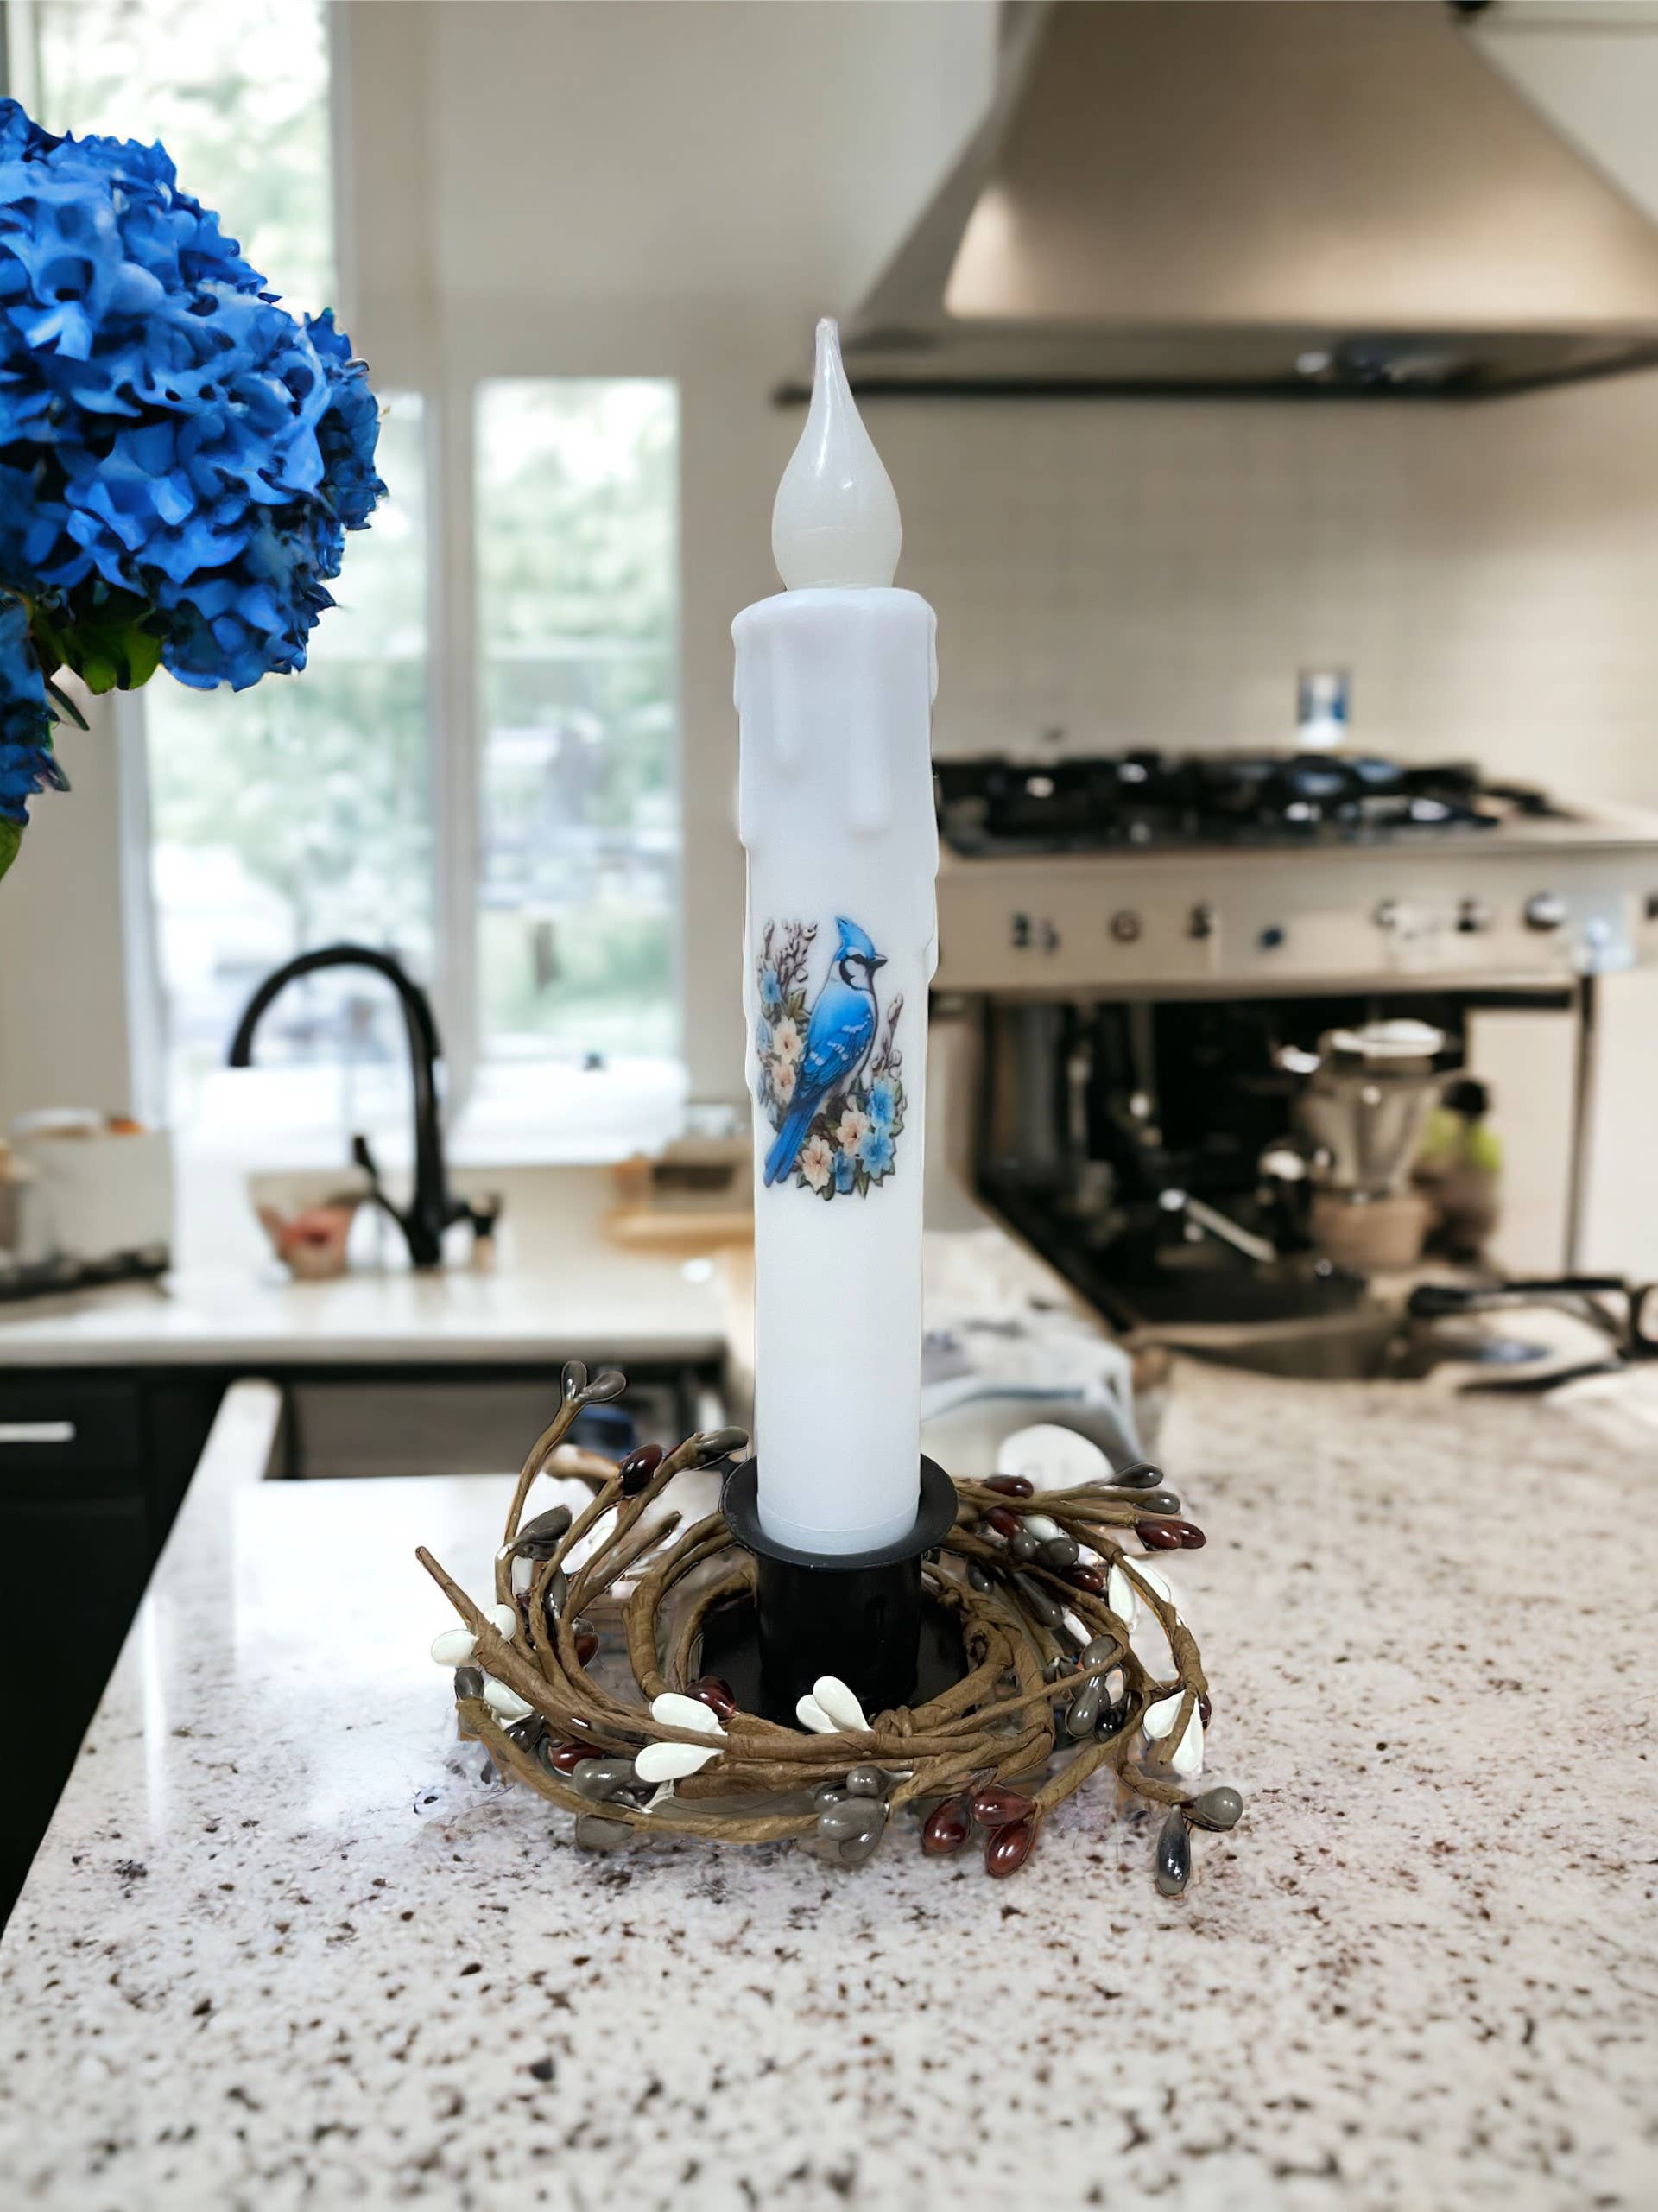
<point>279,1952</point>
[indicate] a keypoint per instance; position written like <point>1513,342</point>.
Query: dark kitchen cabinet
<point>92,1468</point>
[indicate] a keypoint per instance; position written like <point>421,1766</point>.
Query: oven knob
<point>1545,911</point>
<point>1200,923</point>
<point>1126,925</point>
<point>1270,938</point>
<point>1387,913</point>
<point>1020,933</point>
<point>1474,915</point>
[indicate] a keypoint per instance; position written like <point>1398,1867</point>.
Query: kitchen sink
<point>478,1423</point>
<point>1342,1348</point>
<point>1369,1344</point>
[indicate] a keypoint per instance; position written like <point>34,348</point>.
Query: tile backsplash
<point>1156,572</point>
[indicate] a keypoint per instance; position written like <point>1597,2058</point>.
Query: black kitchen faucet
<point>432,1208</point>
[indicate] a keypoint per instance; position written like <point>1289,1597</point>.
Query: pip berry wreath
<point>1047,1595</point>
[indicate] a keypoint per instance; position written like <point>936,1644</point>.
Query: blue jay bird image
<point>837,1041</point>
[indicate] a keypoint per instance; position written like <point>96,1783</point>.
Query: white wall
<point>1154,572</point>
<point>1590,67</point>
<point>63,1012</point>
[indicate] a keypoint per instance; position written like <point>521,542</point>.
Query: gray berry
<point>866,1782</point>
<point>601,1778</point>
<point>839,1824</point>
<point>594,1833</point>
<point>1060,1552</point>
<point>1156,1501</point>
<point>469,1681</point>
<point>1023,1545</point>
<point>980,1578</point>
<point>1173,1853</point>
<point>1113,1719</point>
<point>829,1793</point>
<point>608,1383</point>
<point>1216,1808</point>
<point>1084,1715</point>
<point>574,1378</point>
<point>717,1444</point>
<point>855,1848</point>
<point>538,1539</point>
<point>1095,1653</point>
<point>1036,1601</point>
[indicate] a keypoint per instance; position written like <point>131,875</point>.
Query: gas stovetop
<point>1230,872</point>
<point>1168,801</point>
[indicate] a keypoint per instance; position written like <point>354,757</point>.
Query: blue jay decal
<point>829,1078</point>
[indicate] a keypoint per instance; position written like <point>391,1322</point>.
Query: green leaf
<point>107,646</point>
<point>63,706</point>
<point>11,836</point>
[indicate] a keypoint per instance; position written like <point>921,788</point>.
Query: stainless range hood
<point>1277,196</point>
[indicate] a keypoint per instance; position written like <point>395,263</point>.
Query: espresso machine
<point>1363,1112</point>
<point>1235,1161</point>
<point>1201,1007</point>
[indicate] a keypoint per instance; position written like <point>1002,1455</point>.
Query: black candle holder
<point>857,1615</point>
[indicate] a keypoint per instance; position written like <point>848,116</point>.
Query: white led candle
<point>835,678</point>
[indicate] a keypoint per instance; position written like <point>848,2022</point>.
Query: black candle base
<point>730,1649</point>
<point>857,1615</point>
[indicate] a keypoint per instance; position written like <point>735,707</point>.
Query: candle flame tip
<point>835,518</point>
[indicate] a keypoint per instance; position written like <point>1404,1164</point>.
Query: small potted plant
<point>179,457</point>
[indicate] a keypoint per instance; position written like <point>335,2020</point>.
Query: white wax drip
<point>836,520</point>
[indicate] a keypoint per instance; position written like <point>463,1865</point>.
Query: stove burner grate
<point>1152,800</point>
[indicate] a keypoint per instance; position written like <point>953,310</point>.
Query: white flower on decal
<point>855,1126</point>
<point>817,1161</point>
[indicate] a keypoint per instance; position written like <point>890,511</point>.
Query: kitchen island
<point>283,1946</point>
<point>107,1396</point>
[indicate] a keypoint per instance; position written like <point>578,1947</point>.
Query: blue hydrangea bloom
<point>27,764</point>
<point>877,1148</point>
<point>771,992</point>
<point>167,430</point>
<point>883,1104</point>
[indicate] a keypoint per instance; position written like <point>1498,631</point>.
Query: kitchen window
<point>577,528</point>
<point>305,811</point>
<point>299,813</point>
